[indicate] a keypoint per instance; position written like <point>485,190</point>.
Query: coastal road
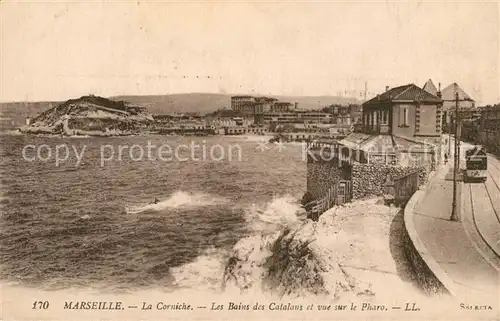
<point>482,209</point>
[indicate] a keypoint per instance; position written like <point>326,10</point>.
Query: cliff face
<point>90,115</point>
<point>296,262</point>
<point>299,266</point>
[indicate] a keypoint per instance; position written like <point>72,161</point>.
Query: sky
<point>61,50</point>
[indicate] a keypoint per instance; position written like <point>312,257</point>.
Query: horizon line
<point>171,94</point>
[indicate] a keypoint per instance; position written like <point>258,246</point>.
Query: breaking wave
<point>178,199</point>
<point>264,220</point>
<point>280,212</point>
<point>204,273</point>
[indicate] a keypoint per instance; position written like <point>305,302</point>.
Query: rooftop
<point>385,143</point>
<point>430,87</point>
<point>410,92</point>
<point>448,93</point>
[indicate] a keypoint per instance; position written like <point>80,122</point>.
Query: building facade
<point>449,103</point>
<point>281,107</point>
<point>400,125</point>
<point>341,115</point>
<point>297,116</point>
<point>242,103</point>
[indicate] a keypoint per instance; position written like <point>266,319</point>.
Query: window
<point>385,113</point>
<point>403,116</point>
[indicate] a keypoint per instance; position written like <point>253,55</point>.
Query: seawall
<point>431,277</point>
<point>369,179</point>
<point>323,174</point>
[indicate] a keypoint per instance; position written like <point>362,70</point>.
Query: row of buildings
<point>260,115</point>
<point>391,151</point>
<point>265,110</point>
<point>404,124</point>
<point>406,112</point>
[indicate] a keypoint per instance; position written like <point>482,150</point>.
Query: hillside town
<point>286,121</point>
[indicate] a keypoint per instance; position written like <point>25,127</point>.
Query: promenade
<point>464,255</point>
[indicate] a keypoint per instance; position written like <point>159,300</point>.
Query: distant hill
<point>15,113</point>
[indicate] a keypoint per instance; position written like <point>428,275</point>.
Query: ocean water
<point>91,226</point>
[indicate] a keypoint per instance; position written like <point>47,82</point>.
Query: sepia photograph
<point>249,160</point>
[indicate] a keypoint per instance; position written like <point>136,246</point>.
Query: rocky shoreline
<point>90,116</point>
<point>324,258</point>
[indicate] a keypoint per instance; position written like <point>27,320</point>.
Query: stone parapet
<point>430,276</point>
<point>369,179</point>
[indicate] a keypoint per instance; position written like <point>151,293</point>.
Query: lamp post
<point>449,139</point>
<point>456,163</point>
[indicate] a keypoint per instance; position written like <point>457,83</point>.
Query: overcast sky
<point>57,51</point>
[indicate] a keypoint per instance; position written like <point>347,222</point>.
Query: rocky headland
<point>92,116</point>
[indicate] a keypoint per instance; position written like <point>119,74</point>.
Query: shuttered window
<point>403,116</point>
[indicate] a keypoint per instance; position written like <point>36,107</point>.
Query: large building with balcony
<point>242,103</point>
<point>253,107</point>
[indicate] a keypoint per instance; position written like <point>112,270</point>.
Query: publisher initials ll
<point>411,307</point>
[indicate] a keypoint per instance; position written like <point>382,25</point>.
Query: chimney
<point>386,88</point>
<point>296,105</point>
<point>439,90</point>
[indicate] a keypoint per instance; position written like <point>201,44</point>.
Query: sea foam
<point>264,221</point>
<point>178,199</point>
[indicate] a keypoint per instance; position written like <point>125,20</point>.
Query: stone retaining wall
<point>369,179</point>
<point>323,174</point>
<point>428,281</point>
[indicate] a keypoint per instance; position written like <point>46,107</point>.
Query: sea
<point>79,212</point>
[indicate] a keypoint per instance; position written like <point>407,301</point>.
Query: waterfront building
<point>281,107</point>
<point>400,126</point>
<point>261,106</point>
<point>243,104</point>
<point>344,114</point>
<point>313,116</point>
<point>341,115</point>
<point>297,116</point>
<point>227,118</point>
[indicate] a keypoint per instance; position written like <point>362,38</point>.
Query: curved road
<point>467,252</point>
<point>485,211</point>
